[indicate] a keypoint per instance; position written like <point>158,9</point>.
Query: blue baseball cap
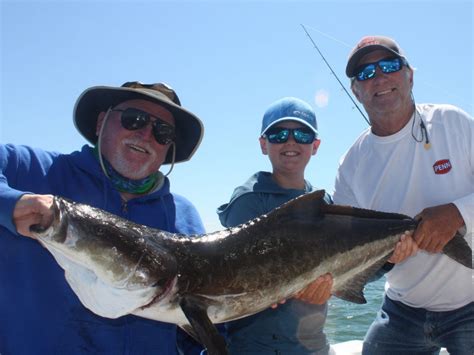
<point>289,109</point>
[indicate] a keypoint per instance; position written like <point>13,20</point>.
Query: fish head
<point>115,250</point>
<point>55,231</point>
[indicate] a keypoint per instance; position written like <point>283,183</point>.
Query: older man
<point>416,159</point>
<point>134,130</point>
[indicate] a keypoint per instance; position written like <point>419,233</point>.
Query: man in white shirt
<point>416,159</point>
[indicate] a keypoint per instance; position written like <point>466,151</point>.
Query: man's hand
<point>317,292</point>
<point>405,248</point>
<point>30,210</point>
<point>275,305</point>
<point>437,226</point>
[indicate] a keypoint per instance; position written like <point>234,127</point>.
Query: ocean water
<point>350,321</point>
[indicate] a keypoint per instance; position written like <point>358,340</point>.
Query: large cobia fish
<point>117,267</point>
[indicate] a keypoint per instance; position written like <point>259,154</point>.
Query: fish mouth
<point>47,231</point>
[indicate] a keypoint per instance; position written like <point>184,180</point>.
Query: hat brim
<point>93,101</point>
<point>357,56</point>
<point>296,119</point>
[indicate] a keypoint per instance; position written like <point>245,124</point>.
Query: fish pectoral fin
<point>196,312</point>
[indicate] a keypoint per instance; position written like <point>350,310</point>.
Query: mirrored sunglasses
<point>134,119</point>
<point>368,70</point>
<point>279,135</point>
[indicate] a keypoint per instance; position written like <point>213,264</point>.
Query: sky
<point>228,61</point>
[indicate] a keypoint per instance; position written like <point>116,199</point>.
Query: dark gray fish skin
<point>239,271</point>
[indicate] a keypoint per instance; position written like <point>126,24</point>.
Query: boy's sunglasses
<point>133,119</point>
<point>279,135</point>
<point>367,71</point>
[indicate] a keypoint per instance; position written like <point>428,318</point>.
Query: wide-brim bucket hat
<point>189,128</point>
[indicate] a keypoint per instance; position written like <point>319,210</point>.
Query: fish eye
<point>99,231</point>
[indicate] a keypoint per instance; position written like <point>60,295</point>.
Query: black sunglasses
<point>279,135</point>
<point>368,71</point>
<point>133,119</point>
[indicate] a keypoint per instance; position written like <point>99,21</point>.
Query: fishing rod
<point>333,73</point>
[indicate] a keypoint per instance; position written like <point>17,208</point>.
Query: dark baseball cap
<point>369,44</point>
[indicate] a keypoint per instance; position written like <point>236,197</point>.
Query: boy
<point>289,137</point>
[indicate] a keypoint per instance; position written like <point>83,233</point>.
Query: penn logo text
<point>442,166</point>
<point>367,41</point>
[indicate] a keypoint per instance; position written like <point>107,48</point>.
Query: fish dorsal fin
<point>302,207</point>
<point>313,204</point>
<point>196,313</point>
<point>360,212</point>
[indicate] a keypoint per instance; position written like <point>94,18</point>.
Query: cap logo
<point>367,41</point>
<point>301,114</point>
<point>442,167</point>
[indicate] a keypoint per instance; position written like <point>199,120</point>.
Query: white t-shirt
<point>397,174</point>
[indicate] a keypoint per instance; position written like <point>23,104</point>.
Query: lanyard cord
<point>424,131</point>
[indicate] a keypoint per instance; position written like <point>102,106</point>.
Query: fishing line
<point>330,37</point>
<point>333,73</point>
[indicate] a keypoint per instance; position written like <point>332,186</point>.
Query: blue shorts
<point>400,329</point>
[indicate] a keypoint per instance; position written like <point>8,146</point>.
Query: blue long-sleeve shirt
<point>39,314</point>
